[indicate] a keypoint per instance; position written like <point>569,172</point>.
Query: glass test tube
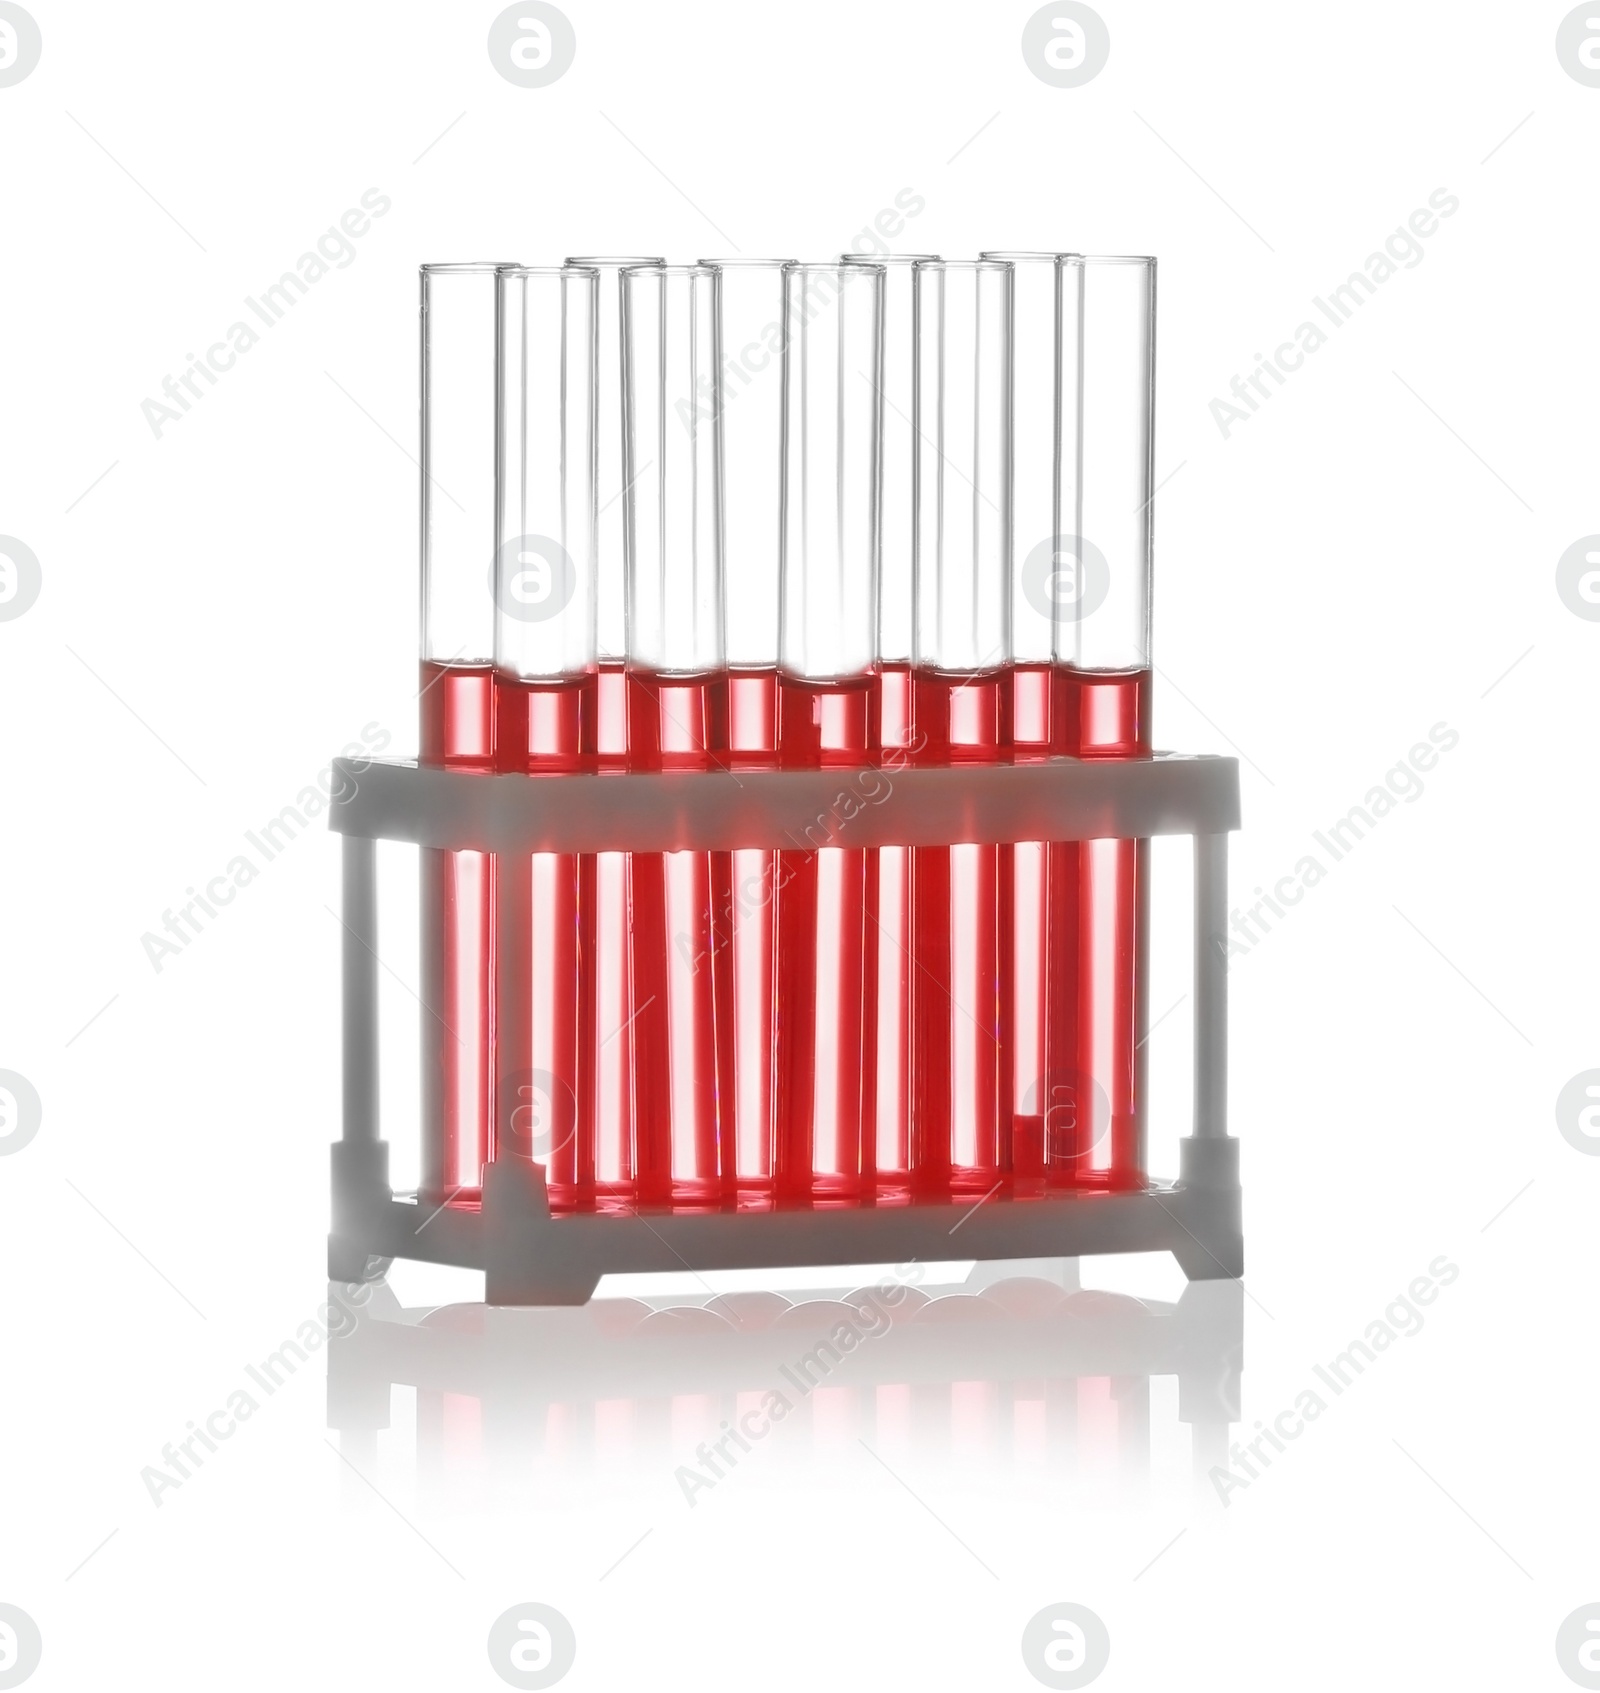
<point>613,1088</point>
<point>544,589</point>
<point>677,720</point>
<point>896,648</point>
<point>1046,325</point>
<point>827,649</point>
<point>961,992</point>
<point>1106,680</point>
<point>752,339</point>
<point>456,714</point>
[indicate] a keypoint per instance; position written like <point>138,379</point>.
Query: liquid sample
<point>896,737</point>
<point>615,1188</point>
<point>681,968</point>
<point>456,729</point>
<point>750,925</point>
<point>962,989</point>
<point>545,972</point>
<point>827,957</point>
<point>1099,899</point>
<point>1036,968</point>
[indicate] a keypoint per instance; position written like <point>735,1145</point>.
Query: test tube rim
<point>750,264</point>
<point>965,264</point>
<point>675,271</point>
<point>1020,256</point>
<point>818,267</point>
<point>547,270</point>
<point>622,261</point>
<point>466,265</point>
<point>1116,258</point>
<point>865,260</point>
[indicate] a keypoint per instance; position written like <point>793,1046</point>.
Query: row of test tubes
<point>753,514</point>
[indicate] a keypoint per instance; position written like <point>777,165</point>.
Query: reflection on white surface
<point>1016,1376</point>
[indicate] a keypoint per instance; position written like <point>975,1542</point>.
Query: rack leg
<point>1210,986</point>
<point>1209,1159</point>
<point>360,1158</point>
<point>527,1259</point>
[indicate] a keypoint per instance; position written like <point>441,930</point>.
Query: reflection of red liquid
<point>545,972</point>
<point>1099,915</point>
<point>827,956</point>
<point>750,926</point>
<point>456,711</point>
<point>962,989</point>
<point>681,968</point>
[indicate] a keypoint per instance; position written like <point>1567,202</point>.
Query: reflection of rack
<point>1063,1374</point>
<point>533,1258</point>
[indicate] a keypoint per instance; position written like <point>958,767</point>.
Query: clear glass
<point>456,710</point>
<point>457,459</point>
<point>963,429</point>
<point>832,409</point>
<point>671,373</point>
<point>545,471</point>
<point>1046,325</point>
<point>751,299</point>
<point>1118,383</point>
<point>896,574</point>
<point>751,303</point>
<point>1069,491</point>
<point>1046,328</point>
<point>611,564</point>
<point>613,1058</point>
<point>896,645</point>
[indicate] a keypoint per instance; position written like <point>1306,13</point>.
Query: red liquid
<point>750,925</point>
<point>546,956</point>
<point>456,725</point>
<point>962,990</point>
<point>827,958</point>
<point>1099,899</point>
<point>615,1187</point>
<point>892,895</point>
<point>1036,968</point>
<point>681,968</point>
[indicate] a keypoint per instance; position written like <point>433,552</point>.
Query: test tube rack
<point>531,1257</point>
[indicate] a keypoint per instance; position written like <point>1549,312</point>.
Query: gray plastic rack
<point>531,1257</point>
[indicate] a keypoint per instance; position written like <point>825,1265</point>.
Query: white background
<point>1368,556</point>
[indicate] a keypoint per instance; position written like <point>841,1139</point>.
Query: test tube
<point>677,720</point>
<point>750,293</point>
<point>544,589</point>
<point>456,714</point>
<point>895,650</point>
<point>613,1089</point>
<point>1105,680</point>
<point>1046,326</point>
<point>961,994</point>
<point>827,649</point>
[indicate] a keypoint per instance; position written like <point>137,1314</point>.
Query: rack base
<point>530,1257</point>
